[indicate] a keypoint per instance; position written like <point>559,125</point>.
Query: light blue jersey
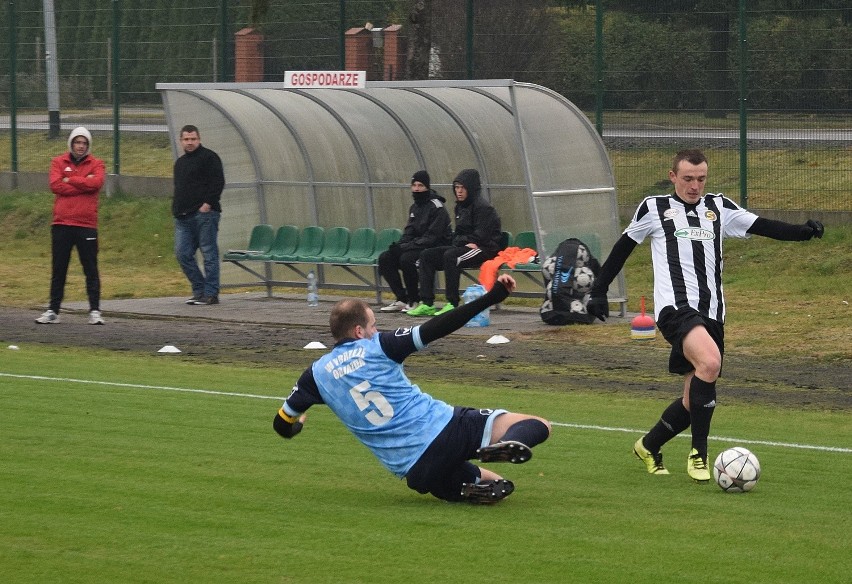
<point>373,397</point>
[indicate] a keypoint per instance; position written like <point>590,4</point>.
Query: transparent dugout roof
<point>344,157</point>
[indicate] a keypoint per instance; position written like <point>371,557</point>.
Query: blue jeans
<point>199,231</point>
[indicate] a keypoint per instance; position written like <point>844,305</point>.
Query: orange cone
<point>642,327</point>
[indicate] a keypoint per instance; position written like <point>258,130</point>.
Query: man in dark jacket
<point>199,181</point>
<point>428,226</point>
<point>477,238</point>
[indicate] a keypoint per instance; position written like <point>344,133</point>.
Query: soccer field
<point>131,468</point>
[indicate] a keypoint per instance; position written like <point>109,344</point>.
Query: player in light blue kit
<point>413,435</point>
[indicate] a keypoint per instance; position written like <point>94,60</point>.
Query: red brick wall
<point>362,56</point>
<point>394,53</point>
<point>248,55</point>
<point>359,47</point>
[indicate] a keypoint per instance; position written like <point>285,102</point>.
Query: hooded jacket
<point>428,223</point>
<point>76,201</point>
<point>476,220</point>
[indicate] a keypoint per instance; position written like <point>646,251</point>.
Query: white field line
<point>281,399</point>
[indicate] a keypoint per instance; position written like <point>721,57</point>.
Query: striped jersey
<point>686,248</point>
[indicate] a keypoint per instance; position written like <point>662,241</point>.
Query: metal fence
<point>764,86</point>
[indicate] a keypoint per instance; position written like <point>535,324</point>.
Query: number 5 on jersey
<point>364,396</point>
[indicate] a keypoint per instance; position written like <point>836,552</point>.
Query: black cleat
<point>505,451</point>
<point>485,492</point>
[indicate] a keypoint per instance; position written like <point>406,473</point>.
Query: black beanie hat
<point>421,176</point>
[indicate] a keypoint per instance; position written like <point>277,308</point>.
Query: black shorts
<point>444,466</point>
<point>674,324</point>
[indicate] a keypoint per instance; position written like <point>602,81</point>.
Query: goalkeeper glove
<point>285,425</point>
<point>817,227</point>
<point>598,306</point>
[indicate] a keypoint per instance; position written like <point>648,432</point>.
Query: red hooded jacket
<point>76,201</point>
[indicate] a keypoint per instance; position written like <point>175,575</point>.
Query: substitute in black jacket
<point>477,238</point>
<point>199,181</point>
<point>428,226</point>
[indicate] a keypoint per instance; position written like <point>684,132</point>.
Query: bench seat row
<point>292,247</point>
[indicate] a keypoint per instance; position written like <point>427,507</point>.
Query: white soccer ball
<point>548,267</point>
<point>583,256</point>
<point>578,307</point>
<point>736,470</point>
<point>583,280</point>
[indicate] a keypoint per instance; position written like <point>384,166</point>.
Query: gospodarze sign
<point>333,79</point>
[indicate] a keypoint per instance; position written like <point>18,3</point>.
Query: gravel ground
<point>532,360</point>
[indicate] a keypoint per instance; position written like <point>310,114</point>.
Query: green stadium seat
<point>361,246</point>
<point>335,244</point>
<point>310,244</point>
<point>384,238</point>
<point>286,242</point>
<point>526,239</point>
<point>260,241</point>
<point>505,239</point>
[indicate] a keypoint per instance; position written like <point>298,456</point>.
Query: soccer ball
<point>548,268</point>
<point>583,256</point>
<point>583,280</point>
<point>736,470</point>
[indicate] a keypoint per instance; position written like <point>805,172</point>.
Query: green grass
<point>814,178</point>
<point>777,179</point>
<point>779,293</point>
<point>118,483</point>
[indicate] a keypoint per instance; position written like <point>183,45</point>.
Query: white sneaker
<point>95,317</point>
<point>396,306</point>
<point>411,306</point>
<point>48,317</point>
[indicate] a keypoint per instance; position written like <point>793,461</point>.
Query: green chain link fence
<point>764,86</point>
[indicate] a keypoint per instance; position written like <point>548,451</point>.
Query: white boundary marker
<point>281,399</point>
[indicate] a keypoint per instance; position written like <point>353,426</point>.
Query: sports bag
<point>568,277</point>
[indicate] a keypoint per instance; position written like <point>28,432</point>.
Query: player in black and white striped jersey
<point>687,229</point>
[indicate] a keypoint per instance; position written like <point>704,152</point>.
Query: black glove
<point>284,428</point>
<point>817,227</point>
<point>598,306</point>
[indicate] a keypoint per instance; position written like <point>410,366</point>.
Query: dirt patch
<point>530,361</point>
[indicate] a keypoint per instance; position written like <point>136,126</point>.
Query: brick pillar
<point>248,55</point>
<point>394,53</point>
<point>359,48</point>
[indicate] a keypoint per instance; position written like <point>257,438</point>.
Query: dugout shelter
<point>336,157</point>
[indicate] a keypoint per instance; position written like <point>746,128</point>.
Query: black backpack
<point>568,277</point>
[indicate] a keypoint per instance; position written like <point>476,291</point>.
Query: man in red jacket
<point>76,178</point>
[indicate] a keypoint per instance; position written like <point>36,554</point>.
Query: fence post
<point>223,41</point>
<point>116,89</point>
<point>599,66</point>
<point>51,69</point>
<point>469,39</point>
<point>13,86</point>
<point>743,106</point>
<point>342,34</point>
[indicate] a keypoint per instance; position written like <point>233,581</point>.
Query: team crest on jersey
<point>710,215</point>
<point>670,213</point>
<point>695,234</point>
<point>402,331</point>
